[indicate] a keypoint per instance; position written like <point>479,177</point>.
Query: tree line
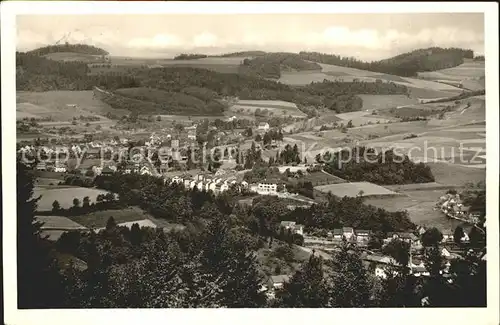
<point>405,65</point>
<point>66,47</point>
<point>383,168</point>
<point>185,56</point>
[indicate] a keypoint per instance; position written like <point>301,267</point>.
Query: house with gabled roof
<point>362,235</point>
<point>337,234</point>
<point>348,232</point>
<point>107,171</point>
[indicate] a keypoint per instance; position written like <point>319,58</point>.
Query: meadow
<point>64,196</point>
<point>375,102</point>
<point>353,189</point>
<point>420,206</point>
<point>99,219</point>
<point>275,107</point>
<point>59,223</point>
<point>58,105</point>
<point>474,69</point>
<point>419,88</point>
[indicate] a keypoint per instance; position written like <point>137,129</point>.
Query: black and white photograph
<point>234,159</point>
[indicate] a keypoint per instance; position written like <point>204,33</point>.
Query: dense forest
<point>187,101</point>
<point>77,48</point>
<point>270,65</point>
<point>406,64</point>
<point>383,168</point>
<point>212,262</point>
<point>185,56</point>
<point>34,73</point>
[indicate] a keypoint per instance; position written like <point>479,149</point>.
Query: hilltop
<point>270,65</point>
<point>74,48</point>
<point>243,53</point>
<point>406,64</point>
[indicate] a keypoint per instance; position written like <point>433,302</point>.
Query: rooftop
<point>280,278</point>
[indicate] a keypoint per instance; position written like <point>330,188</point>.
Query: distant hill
<point>184,56</point>
<point>75,48</point>
<point>243,53</point>
<point>36,73</point>
<point>270,65</point>
<point>406,64</point>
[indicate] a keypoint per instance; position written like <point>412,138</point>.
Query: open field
<point>73,56</point>
<point>65,196</point>
<point>474,69</point>
<point>419,88</point>
<point>58,223</point>
<point>419,187</point>
<point>353,189</point>
<point>363,117</point>
<point>99,219</point>
<point>222,65</point>
<point>320,178</point>
<point>454,145</point>
<point>420,206</point>
<point>276,107</point>
<point>55,104</point>
<point>452,174</point>
<point>373,102</point>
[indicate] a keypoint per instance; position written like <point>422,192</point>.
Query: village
<point>122,155</point>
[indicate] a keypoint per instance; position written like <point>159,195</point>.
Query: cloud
<point>206,39</point>
<point>158,41</point>
<point>363,43</point>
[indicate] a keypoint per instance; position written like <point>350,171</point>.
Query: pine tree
<point>350,281</point>
<point>37,270</point>
<point>308,287</point>
<point>56,206</point>
<point>229,262</point>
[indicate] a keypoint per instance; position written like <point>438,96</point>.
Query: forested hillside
<point>35,73</point>
<point>406,64</point>
<point>270,65</point>
<point>77,48</point>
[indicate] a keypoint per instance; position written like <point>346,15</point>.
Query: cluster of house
<point>51,166</point>
<point>361,237</point>
<point>208,182</point>
<point>451,205</point>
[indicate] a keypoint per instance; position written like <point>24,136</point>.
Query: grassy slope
<point>54,103</point>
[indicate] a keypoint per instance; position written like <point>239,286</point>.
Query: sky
<point>364,36</point>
